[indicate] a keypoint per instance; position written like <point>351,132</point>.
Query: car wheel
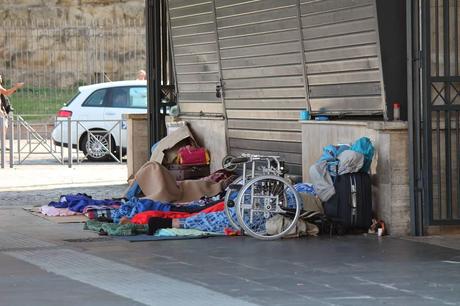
<point>94,145</point>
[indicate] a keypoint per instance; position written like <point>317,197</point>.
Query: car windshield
<point>71,100</point>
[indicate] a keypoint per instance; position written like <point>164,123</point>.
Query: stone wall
<point>67,43</point>
<point>72,10</point>
<point>392,180</point>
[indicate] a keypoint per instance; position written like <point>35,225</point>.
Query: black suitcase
<point>351,205</point>
<point>188,172</point>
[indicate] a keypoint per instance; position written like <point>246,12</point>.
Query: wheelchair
<point>259,194</point>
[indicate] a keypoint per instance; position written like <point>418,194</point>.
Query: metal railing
<point>31,142</point>
<point>34,141</point>
<point>99,136</point>
<point>4,123</point>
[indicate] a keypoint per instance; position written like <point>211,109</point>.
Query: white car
<point>96,113</point>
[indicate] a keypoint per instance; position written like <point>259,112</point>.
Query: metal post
<point>413,116</point>
<point>164,42</point>
<point>447,114</point>
<point>61,123</point>
<point>77,150</point>
<point>426,109</point>
<point>411,121</point>
<point>11,140</point>
<point>29,141</point>
<point>69,140</point>
<point>2,140</point>
<point>153,43</point>
<point>120,142</point>
<point>19,138</point>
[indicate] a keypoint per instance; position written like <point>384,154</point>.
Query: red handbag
<point>189,155</point>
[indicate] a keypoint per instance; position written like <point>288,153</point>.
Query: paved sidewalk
<point>48,264</point>
<point>39,184</point>
<point>56,175</point>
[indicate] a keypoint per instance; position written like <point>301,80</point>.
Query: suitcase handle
<point>354,202</point>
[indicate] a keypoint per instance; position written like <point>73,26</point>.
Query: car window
<point>96,98</point>
<point>138,97</point>
<point>119,97</point>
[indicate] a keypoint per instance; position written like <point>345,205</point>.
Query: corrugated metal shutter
<point>266,49</point>
<point>193,30</point>
<point>341,52</point>
<point>263,76</point>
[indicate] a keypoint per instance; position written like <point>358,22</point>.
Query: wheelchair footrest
<point>235,187</point>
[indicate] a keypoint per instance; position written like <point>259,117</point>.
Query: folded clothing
<point>180,232</point>
<point>113,229</point>
<point>79,202</point>
<point>195,206</point>
<point>100,214</point>
<point>143,217</point>
<point>135,206</point>
<point>56,212</point>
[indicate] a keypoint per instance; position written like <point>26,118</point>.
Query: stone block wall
<point>138,142</point>
<point>71,10</point>
<point>392,179</point>
<point>67,43</point>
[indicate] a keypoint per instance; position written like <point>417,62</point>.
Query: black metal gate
<point>436,112</point>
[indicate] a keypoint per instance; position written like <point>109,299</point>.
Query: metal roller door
<point>263,76</point>
<point>342,56</point>
<point>273,58</point>
<point>194,40</point>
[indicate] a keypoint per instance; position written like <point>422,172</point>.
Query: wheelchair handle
<point>240,160</point>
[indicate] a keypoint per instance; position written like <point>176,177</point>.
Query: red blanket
<point>143,217</point>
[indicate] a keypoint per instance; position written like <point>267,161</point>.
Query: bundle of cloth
<point>337,160</point>
<point>157,190</point>
<point>156,201</point>
<point>158,184</point>
<point>80,203</point>
<point>213,218</point>
<point>151,217</point>
<point>163,199</point>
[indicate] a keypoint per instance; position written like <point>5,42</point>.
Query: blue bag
<point>330,153</point>
<point>364,146</point>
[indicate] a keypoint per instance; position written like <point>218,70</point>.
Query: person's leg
<point>210,222</point>
<point>175,223</point>
<point>156,223</point>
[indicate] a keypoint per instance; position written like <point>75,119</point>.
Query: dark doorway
<point>435,113</point>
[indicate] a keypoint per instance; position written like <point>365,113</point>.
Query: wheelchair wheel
<point>261,199</point>
<point>227,163</point>
<point>230,200</point>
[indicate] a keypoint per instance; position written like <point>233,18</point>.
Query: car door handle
<point>110,114</point>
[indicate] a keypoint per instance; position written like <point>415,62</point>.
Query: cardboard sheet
<point>166,147</point>
<point>65,219</point>
<point>158,184</point>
